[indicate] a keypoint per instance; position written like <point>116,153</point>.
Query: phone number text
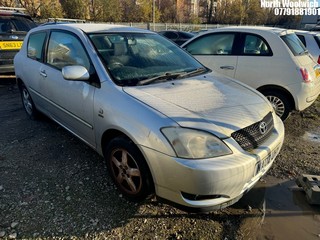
<point>297,11</point>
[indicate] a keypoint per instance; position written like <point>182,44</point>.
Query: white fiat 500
<point>271,60</point>
<point>164,123</point>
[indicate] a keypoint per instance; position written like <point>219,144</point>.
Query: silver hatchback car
<point>164,123</point>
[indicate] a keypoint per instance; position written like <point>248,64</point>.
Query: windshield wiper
<point>166,76</point>
<point>171,76</point>
<point>194,72</point>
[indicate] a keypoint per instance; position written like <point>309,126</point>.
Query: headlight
<point>195,144</point>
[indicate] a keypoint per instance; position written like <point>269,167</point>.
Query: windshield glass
<point>294,44</point>
<point>134,57</point>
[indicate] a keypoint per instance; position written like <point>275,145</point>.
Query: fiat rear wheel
<point>280,104</point>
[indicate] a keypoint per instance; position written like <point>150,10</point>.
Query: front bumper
<point>209,184</point>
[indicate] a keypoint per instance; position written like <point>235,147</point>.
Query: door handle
<point>43,73</point>
<point>227,67</point>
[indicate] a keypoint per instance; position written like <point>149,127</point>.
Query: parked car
<point>179,37</point>
<point>311,40</point>
<point>163,122</point>
<point>14,25</point>
<point>271,60</point>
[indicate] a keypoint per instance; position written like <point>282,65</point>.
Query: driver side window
<point>65,49</point>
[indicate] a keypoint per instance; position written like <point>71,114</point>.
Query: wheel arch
<point>278,89</point>
<point>111,134</point>
<point>19,82</point>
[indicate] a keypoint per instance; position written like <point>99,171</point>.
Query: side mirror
<point>75,73</point>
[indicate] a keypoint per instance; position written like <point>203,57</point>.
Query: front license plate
<point>261,165</point>
<point>10,45</point>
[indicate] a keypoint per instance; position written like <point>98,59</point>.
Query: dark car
<point>179,37</point>
<point>14,25</point>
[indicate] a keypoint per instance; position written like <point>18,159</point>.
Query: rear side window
<point>35,45</point>
<point>317,38</point>
<point>294,44</point>
<point>212,44</point>
<point>302,39</point>
<point>255,45</point>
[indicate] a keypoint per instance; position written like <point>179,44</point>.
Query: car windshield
<point>143,58</point>
<point>15,24</point>
<point>294,44</point>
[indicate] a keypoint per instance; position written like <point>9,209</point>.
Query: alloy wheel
<point>27,102</point>
<point>126,171</point>
<point>277,104</point>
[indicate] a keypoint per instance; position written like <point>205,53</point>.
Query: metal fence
<point>175,26</point>
<point>157,26</point>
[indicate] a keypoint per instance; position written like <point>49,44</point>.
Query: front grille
<point>252,136</point>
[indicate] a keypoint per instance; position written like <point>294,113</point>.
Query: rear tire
<point>280,103</point>
<point>27,102</point>
<point>128,169</point>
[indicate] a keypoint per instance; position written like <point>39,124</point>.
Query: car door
<point>215,51</point>
<point>70,102</point>
<point>255,60</point>
<point>34,60</point>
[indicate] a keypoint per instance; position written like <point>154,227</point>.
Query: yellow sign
<point>12,45</point>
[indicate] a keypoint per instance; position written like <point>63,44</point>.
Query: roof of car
<point>13,12</point>
<point>92,27</point>
<point>253,29</point>
<point>305,32</point>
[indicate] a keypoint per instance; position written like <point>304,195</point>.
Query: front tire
<point>128,169</point>
<point>280,103</point>
<point>27,102</point>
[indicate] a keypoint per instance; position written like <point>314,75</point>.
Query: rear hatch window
<point>302,56</point>
<point>294,44</point>
<point>10,24</point>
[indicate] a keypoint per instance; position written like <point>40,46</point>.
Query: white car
<point>271,60</point>
<point>163,122</point>
<point>311,40</point>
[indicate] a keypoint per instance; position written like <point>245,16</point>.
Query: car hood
<point>210,102</point>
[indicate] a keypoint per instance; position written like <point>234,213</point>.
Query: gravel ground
<point>52,186</point>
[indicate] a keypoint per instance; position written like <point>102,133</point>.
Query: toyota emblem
<point>263,128</point>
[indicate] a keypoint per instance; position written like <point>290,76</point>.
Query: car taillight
<point>305,75</point>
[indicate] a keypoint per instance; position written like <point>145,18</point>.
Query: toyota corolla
<point>163,122</point>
